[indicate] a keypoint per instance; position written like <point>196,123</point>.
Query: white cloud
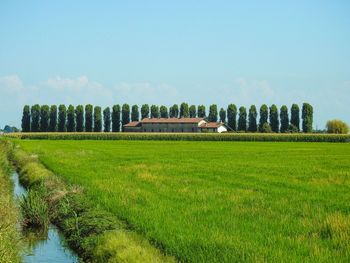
<point>11,83</point>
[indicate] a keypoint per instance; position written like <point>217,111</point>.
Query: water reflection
<point>43,246</point>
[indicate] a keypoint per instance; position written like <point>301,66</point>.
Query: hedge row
<point>187,137</point>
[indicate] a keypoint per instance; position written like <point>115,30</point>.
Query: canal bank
<point>95,234</point>
<point>42,245</point>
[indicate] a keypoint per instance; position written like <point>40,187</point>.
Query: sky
<point>167,52</point>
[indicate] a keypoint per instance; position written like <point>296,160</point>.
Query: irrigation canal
<point>47,248</point>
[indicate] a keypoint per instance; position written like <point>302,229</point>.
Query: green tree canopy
<point>192,111</point>
<point>70,119</point>
<point>154,111</point>
<point>125,114</point>
<point>163,112</point>
<point>274,121</point>
<point>213,113</point>
<point>97,119</point>
<point>284,118</point>
<point>222,115</point>
<point>253,114</point>
<point>62,115</point>
<point>88,118</point>
<point>201,111</point>
<point>53,118</point>
<point>232,116</point>
<point>107,119</point>
<point>144,111</point>
<point>337,126</point>
<point>242,119</point>
<point>295,116</point>
<point>26,119</point>
<point>264,113</point>
<point>307,116</point>
<point>184,111</point>
<point>79,118</point>
<point>116,118</point>
<point>35,114</point>
<point>174,111</point>
<point>135,113</point>
<point>44,118</point>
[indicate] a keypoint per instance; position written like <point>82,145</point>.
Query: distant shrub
<point>337,126</point>
<point>293,128</point>
<point>266,128</point>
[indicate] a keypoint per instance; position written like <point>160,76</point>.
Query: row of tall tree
<point>51,119</point>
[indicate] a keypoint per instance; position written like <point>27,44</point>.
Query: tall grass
<point>9,238</point>
<point>34,209</point>
<point>89,230</point>
<point>217,201</point>
<point>280,137</point>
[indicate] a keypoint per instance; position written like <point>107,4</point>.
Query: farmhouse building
<point>174,125</point>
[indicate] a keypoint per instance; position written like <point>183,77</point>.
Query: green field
<point>218,201</point>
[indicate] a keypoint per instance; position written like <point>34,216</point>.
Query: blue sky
<point>166,52</point>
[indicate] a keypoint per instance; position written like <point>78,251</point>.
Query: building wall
<point>132,129</point>
<point>170,127</point>
<point>222,128</point>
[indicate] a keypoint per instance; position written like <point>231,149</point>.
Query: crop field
<point>217,201</point>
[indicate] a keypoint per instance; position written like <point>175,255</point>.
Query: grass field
<point>218,201</point>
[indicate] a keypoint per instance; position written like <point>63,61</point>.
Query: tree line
<point>90,119</point>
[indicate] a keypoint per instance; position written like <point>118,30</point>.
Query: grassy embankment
<point>95,234</point>
<point>218,201</point>
<point>280,137</point>
<point>9,237</point>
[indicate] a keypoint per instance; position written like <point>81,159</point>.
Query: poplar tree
<point>232,116</point>
<point>135,113</point>
<point>116,118</point>
<point>253,114</point>
<point>26,119</point>
<point>284,118</point>
<point>79,118</point>
<point>35,114</point>
<point>62,114</point>
<point>53,118</point>
<point>295,116</point>
<point>163,112</point>
<point>88,118</point>
<point>274,122</point>
<point>184,111</point>
<point>44,118</point>
<point>154,111</point>
<point>97,119</point>
<point>242,119</point>
<point>192,110</point>
<point>222,115</point>
<point>307,116</point>
<point>107,119</point>
<point>144,111</point>
<point>70,119</point>
<point>264,113</point>
<point>201,111</point>
<point>213,113</point>
<point>174,111</point>
<point>125,114</point>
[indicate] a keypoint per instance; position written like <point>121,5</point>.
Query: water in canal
<point>48,248</point>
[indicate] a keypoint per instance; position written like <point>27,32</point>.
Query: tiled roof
<point>211,125</point>
<point>132,124</point>
<point>171,120</point>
